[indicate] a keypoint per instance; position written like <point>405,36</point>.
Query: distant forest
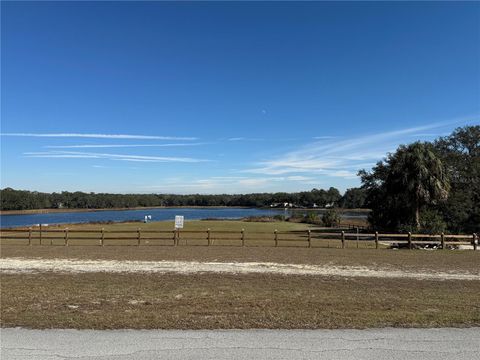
<point>25,200</point>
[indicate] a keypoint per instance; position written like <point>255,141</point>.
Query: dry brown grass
<point>108,301</point>
<point>101,300</point>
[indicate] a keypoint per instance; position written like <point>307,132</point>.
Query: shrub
<point>432,222</point>
<point>311,218</point>
<point>331,218</point>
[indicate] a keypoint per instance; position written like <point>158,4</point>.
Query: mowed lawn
<point>196,232</point>
<point>196,225</point>
<point>162,233</point>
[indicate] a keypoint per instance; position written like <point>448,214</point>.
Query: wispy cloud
<point>324,137</point>
<point>99,136</point>
<point>117,157</point>
<point>244,139</point>
<point>299,178</point>
<point>428,134</point>
<point>343,158</point>
<point>225,184</point>
<point>93,146</point>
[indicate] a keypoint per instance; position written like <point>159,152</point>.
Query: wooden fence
<point>305,238</point>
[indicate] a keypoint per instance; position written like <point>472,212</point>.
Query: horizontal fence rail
<point>300,238</point>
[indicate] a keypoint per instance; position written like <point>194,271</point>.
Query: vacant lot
<point>243,300</point>
<point>172,301</point>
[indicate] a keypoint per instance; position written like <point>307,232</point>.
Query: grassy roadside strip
<point>212,301</point>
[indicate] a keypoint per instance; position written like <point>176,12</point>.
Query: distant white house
<point>284,205</point>
<point>292,205</point>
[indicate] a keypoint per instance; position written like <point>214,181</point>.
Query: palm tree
<point>418,175</point>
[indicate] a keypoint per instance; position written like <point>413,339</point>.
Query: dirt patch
<point>22,265</point>
<point>405,260</point>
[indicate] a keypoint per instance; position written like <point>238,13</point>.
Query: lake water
<point>132,215</point>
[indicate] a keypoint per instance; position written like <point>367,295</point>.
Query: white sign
<point>178,221</point>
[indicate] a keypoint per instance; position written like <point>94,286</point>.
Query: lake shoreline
<point>77,210</point>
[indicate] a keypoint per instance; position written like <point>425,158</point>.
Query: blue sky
<point>227,97</point>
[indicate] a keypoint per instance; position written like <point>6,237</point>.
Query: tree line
<point>25,200</point>
<point>428,187</point>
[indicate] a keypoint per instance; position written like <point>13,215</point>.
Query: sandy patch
<point>24,265</point>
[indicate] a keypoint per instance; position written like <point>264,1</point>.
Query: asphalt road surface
<point>392,344</point>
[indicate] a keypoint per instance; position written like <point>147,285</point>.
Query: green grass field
<point>222,233</point>
<point>197,225</point>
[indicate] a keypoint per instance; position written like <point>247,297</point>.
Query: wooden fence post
<point>343,239</point>
<point>474,241</point>
<point>138,236</point>
<point>276,237</point>
<point>208,237</point>
<point>243,237</point>
<point>309,239</point>
<point>102,240</point>
<point>66,237</point>
<point>442,239</point>
<point>175,237</point>
<point>410,240</point>
<point>376,239</point>
<point>30,236</point>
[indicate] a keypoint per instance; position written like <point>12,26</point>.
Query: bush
<point>431,222</point>
<point>296,217</point>
<point>331,218</point>
<point>311,218</point>
<point>259,219</point>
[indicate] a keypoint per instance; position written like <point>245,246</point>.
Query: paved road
<point>392,344</point>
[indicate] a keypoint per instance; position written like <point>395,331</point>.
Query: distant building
<point>283,205</point>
